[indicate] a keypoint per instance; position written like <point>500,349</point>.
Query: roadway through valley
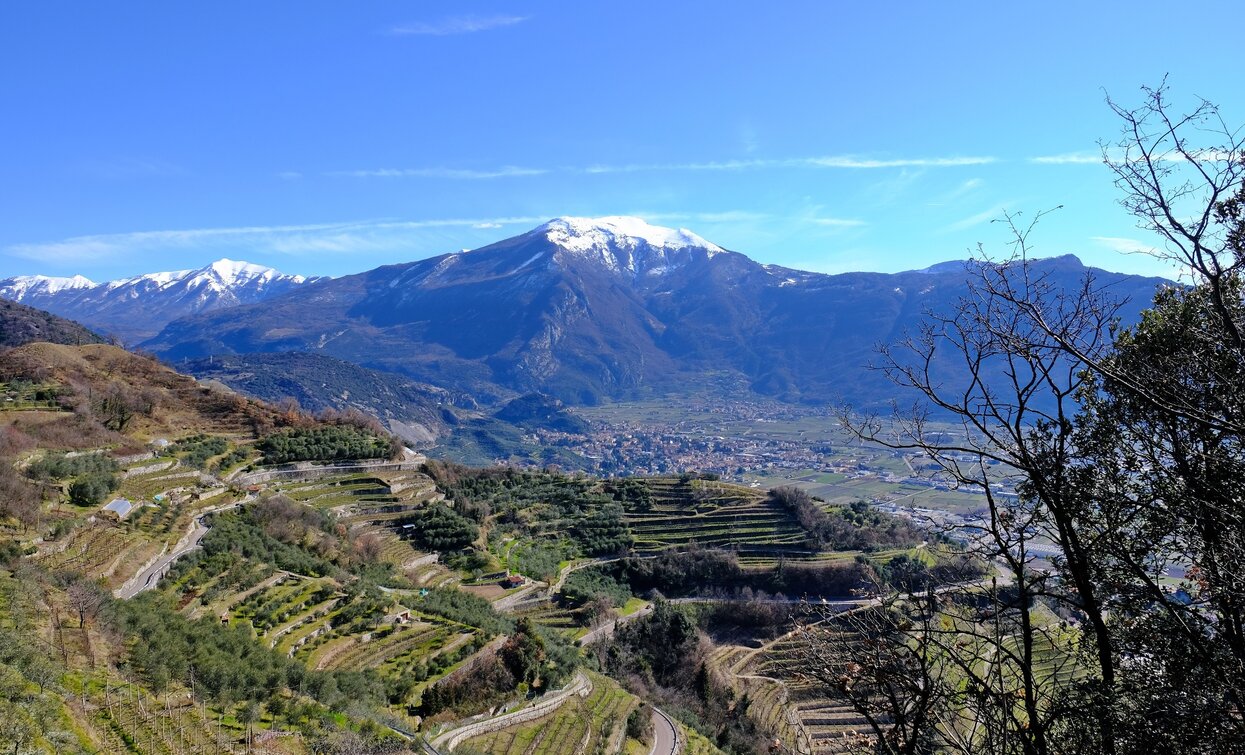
<point>149,577</point>
<point>665,737</point>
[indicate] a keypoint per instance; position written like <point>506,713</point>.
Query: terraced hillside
<point>372,506</point>
<point>594,722</point>
<point>682,511</point>
<point>796,709</point>
<point>262,572</point>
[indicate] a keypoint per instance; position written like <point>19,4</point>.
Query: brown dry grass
<point>168,404</point>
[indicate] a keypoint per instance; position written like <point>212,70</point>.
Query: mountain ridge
<point>535,313</point>
<point>137,307</point>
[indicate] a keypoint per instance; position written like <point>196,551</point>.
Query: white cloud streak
<point>837,222</point>
<point>317,238</point>
<point>958,193</point>
<point>333,238</point>
<point>1124,245</point>
<point>457,25</point>
<point>842,162</point>
<point>1119,156</point>
<point>849,162</point>
<point>984,216</point>
<point>1070,158</point>
<point>506,171</point>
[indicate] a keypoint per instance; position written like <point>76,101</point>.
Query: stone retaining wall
<point>581,686</point>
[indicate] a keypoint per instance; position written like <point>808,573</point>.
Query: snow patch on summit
<point>221,275</point>
<point>582,234</point>
<point>626,243</point>
<point>20,286</point>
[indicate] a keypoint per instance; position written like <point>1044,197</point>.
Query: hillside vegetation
<point>20,325</point>
<point>267,576</point>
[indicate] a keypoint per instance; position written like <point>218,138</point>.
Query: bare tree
<point>1014,444</point>
<point>885,662</point>
<point>1121,448</point>
<point>85,597</point>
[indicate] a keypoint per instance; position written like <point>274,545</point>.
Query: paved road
<point>580,685</point>
<point>607,629</point>
<point>150,577</point>
<point>665,739</point>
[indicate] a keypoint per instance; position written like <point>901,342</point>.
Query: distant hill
<point>588,310</point>
<point>136,308</point>
<point>536,410</point>
<point>20,325</point>
<point>112,391</point>
<point>417,412</point>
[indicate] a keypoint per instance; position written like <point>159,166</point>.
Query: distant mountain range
<point>134,309</point>
<point>581,310</point>
<point>588,310</point>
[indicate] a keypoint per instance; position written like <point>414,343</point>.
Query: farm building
<point>119,508</point>
<point>400,615</point>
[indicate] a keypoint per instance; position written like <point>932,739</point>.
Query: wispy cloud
<point>748,137</point>
<point>984,216</point>
<point>317,238</point>
<point>842,162</point>
<point>354,237</point>
<point>914,162</point>
<point>1119,156</point>
<point>1124,245</point>
<point>1069,158</point>
<point>728,216</point>
<point>837,222</point>
<point>850,162</point>
<point>750,222</point>
<point>506,171</point>
<point>457,25</point>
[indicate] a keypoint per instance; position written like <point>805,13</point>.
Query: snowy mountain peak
<point>230,271</point>
<point>584,234</point>
<point>22,285</point>
<point>625,244</point>
<point>137,307</point>
<point>221,275</point>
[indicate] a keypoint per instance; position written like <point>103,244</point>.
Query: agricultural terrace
<point>680,511</point>
<point>797,709</point>
<point>595,722</point>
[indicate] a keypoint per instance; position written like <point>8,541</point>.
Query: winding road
<point>665,736</point>
<point>607,629</point>
<point>149,577</point>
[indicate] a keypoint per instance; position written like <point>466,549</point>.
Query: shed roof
<point>120,506</point>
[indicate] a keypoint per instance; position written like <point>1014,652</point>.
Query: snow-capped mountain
<point>23,286</point>
<point>594,309</point>
<point>136,308</point>
<point>628,244</point>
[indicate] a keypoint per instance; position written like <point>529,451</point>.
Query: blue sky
<point>331,137</point>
